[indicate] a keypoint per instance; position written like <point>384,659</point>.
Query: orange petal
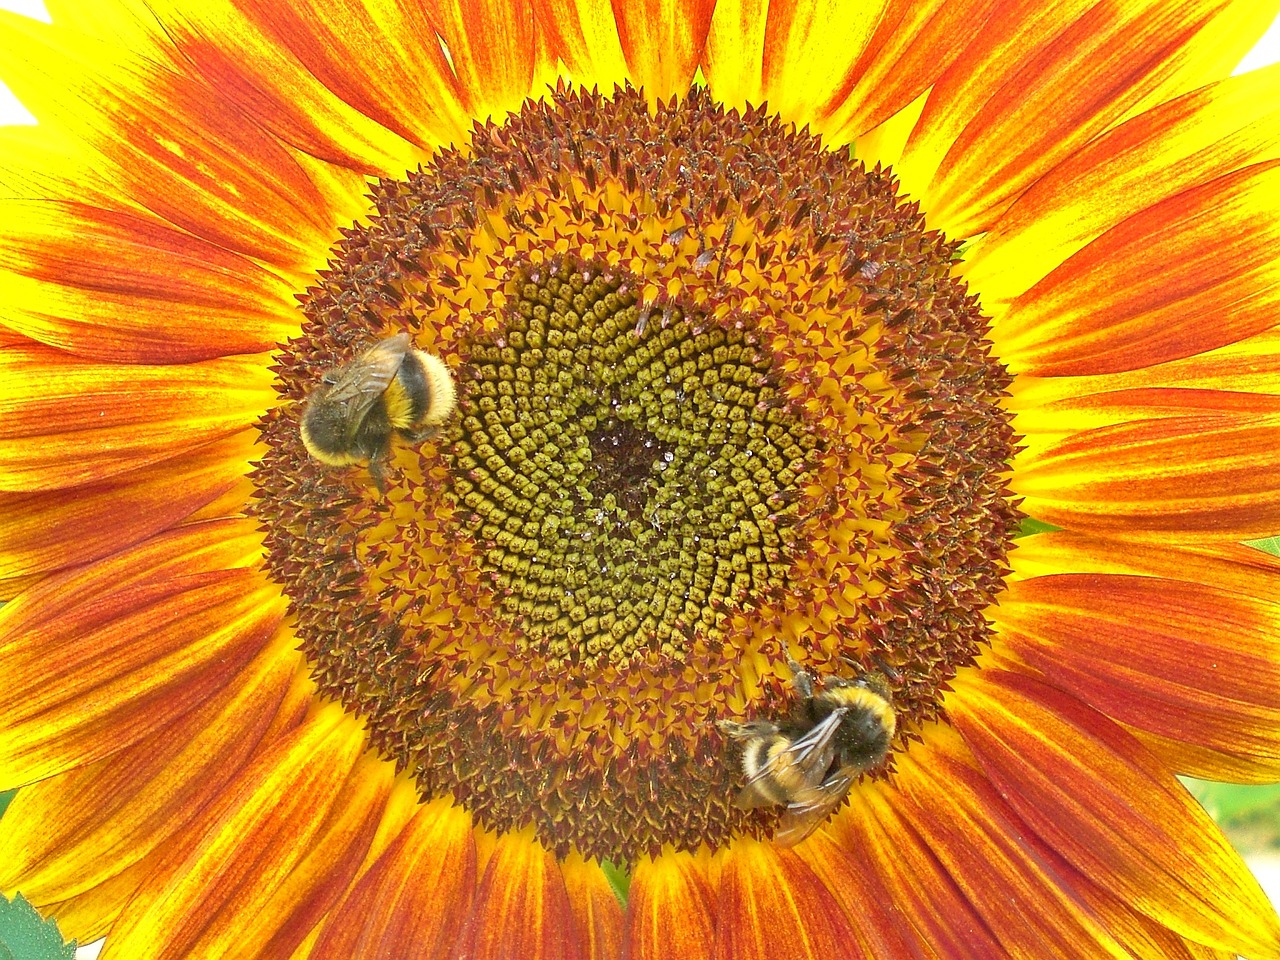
<point>1250,366</point>
<point>773,905</point>
<point>418,892</point>
<point>1038,84</point>
<point>494,51</point>
<point>40,532</point>
<point>1229,567</point>
<point>89,917</point>
<point>883,928</point>
<point>1112,810</point>
<point>522,908</point>
<point>671,908</point>
<point>92,421</point>
<point>39,163</point>
<point>68,834</point>
<point>912,46</point>
<point>1184,661</point>
<point>963,821</point>
<point>794,55</point>
<point>595,908</point>
<point>839,68</point>
<point>1183,462</point>
<point>254,70</point>
<point>1138,934</point>
<point>171,143</point>
<point>283,916</point>
<point>662,41</point>
<point>98,676</point>
<point>1176,146</point>
<point>207,898</point>
<point>114,286</point>
<point>1189,274</point>
<point>909,898</point>
<point>190,549</point>
<point>584,35</point>
<point>378,57</point>
<point>1142,936</point>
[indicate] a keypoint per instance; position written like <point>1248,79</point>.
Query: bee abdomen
<point>422,393</point>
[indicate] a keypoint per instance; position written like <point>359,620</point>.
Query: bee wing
<point>810,809</point>
<point>808,757</point>
<point>359,384</point>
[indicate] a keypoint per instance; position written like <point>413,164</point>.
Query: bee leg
<point>886,668</point>
<point>418,436</point>
<point>378,473</point>
<point>745,731</point>
<point>802,681</point>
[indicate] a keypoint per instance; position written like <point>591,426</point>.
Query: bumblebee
<point>809,760</point>
<point>389,389</point>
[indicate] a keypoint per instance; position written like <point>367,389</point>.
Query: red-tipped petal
<point>662,41</point>
<point>963,821</point>
<point>206,897</point>
<point>90,421</point>
<point>494,51</point>
<point>839,68</point>
<point>521,911</point>
<point>114,286</point>
<point>1037,85</point>
<point>283,918</point>
<point>1174,147</point>
<point>915,901</point>
<point>1190,463</point>
<point>1112,810</point>
<point>1187,275</point>
<point>671,908</point>
<point>378,57</point>
<point>1185,661</point>
<point>584,35</point>
<point>773,905</point>
<point>253,70</point>
<point>417,892</point>
<point>41,532</point>
<point>99,675</point>
<point>171,144</point>
<point>68,834</point>
<point>595,908</point>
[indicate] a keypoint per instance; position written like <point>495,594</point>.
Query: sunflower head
<point>720,403</point>
<point>632,498</point>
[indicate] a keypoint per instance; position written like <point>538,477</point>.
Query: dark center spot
<point>624,461</point>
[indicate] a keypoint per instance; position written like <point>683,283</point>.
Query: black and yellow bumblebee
<point>809,760</point>
<point>389,389</point>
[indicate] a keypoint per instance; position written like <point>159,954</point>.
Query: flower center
<point>628,483</point>
<point>720,405</point>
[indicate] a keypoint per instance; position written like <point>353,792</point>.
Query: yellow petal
<point>171,143</point>
<point>1178,145</point>
<point>107,285</point>
<point>91,421</point>
<point>229,863</point>
<point>1109,808</point>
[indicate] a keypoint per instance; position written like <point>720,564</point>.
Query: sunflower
<point>766,330</point>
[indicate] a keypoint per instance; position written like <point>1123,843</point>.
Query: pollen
<point>720,404</point>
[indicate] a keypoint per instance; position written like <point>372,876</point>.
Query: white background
<point>1267,51</point>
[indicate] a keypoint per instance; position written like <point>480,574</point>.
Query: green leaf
<point>1231,802</point>
<point>6,798</point>
<point>619,880</point>
<point>1249,814</point>
<point>1031,526</point>
<point>1269,545</point>
<point>25,936</point>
